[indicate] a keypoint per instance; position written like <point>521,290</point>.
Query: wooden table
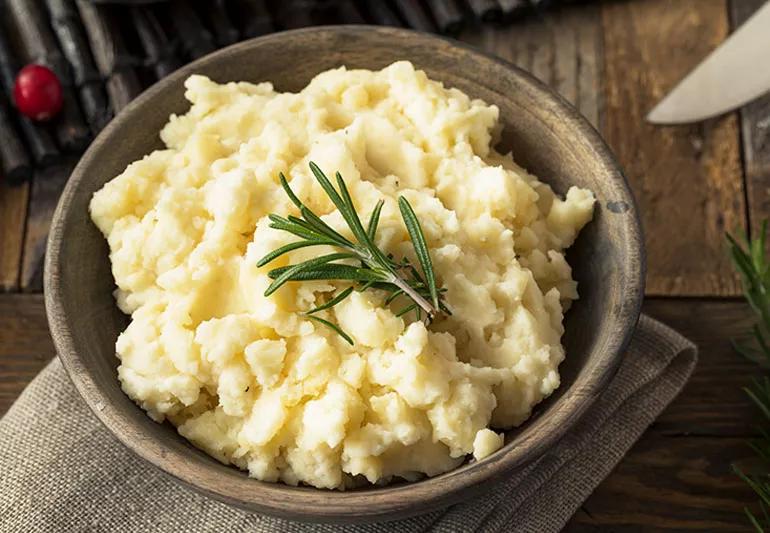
<point>614,61</point>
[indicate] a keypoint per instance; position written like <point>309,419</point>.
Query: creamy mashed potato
<point>252,382</point>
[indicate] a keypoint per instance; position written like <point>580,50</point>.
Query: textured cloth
<point>60,470</point>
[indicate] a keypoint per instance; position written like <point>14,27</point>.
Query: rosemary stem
<point>414,295</point>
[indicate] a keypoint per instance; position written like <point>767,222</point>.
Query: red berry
<point>37,92</point>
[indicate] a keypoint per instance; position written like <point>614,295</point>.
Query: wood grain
<point>46,188</point>
<point>713,402</point>
<point>687,179</point>
<point>755,132</point>
<point>678,476</point>
<point>561,48</point>
<point>13,211</point>
<point>670,484</point>
<point>25,344</point>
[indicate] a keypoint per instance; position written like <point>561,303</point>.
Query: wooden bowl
<point>547,136</point>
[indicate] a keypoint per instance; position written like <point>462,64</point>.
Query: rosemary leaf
<point>760,339</point>
<point>331,303</point>
<point>383,286</point>
<point>311,220</point>
<point>305,266</point>
<point>300,230</point>
<point>749,352</point>
<point>756,397</point>
<point>368,285</point>
<point>288,248</point>
<point>753,520</point>
<point>289,192</point>
<point>333,327</point>
<point>316,222</point>
<point>406,309</point>
<point>420,246</point>
<point>393,296</point>
<point>757,248</point>
<point>374,220</point>
<point>327,186</point>
<point>328,272</point>
<point>355,223</point>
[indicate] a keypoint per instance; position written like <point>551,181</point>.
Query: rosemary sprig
<point>375,268</point>
<point>751,262</point>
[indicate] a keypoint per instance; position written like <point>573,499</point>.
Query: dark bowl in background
<point>546,135</point>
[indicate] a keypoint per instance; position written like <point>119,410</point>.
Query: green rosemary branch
<point>751,262</point>
<point>366,263</point>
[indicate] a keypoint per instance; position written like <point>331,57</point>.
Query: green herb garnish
<point>375,268</point>
<point>750,260</point>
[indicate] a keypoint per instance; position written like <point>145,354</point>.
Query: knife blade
<point>732,75</point>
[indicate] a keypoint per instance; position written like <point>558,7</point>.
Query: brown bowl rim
<point>379,503</point>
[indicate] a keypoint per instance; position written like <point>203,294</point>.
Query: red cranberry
<point>37,92</point>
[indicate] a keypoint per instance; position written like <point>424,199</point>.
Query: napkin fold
<point>61,470</point>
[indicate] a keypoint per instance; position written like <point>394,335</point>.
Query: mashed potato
<point>252,382</point>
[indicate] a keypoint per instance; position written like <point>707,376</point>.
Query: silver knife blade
<point>737,72</point>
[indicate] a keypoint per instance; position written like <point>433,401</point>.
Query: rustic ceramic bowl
<point>547,136</point>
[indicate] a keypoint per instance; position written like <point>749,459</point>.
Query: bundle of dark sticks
<point>105,52</point>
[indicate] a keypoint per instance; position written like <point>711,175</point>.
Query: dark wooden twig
<point>44,194</point>
<point>448,16</point>
<point>225,33</point>
<point>74,44</point>
<point>110,53</point>
<point>160,51</point>
<point>41,47</point>
<point>485,10</point>
<point>541,4</point>
<point>346,12</point>
<point>380,13</point>
<point>291,14</point>
<point>39,141</point>
<point>514,9</point>
<point>195,38</point>
<point>254,17</point>
<point>415,16</point>
<point>14,159</point>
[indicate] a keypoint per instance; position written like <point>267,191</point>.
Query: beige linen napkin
<point>61,471</point>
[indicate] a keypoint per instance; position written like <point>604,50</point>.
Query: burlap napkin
<point>61,471</point>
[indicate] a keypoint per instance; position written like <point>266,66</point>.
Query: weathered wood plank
<point>565,60</point>
<point>755,130</point>
<point>562,49</point>
<point>589,55</point>
<point>671,484</point>
<point>713,402</point>
<point>46,188</point>
<point>25,344</point>
<point>686,177</point>
<point>13,210</point>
